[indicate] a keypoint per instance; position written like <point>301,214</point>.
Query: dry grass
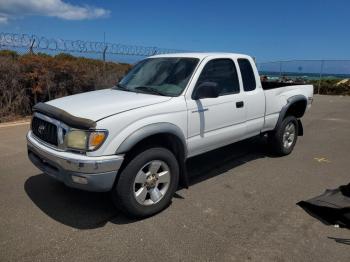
<point>29,79</point>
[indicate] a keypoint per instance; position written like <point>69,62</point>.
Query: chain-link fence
<point>60,68</point>
<point>326,75</point>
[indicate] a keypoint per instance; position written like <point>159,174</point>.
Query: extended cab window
<point>248,76</point>
<point>223,73</point>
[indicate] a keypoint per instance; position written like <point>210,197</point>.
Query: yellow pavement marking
<point>322,160</point>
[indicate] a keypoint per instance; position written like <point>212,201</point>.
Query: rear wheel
<point>284,138</point>
<point>148,183</point>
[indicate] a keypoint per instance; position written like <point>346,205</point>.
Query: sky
<point>268,30</point>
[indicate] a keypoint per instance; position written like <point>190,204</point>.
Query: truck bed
<point>266,85</point>
<point>277,96</point>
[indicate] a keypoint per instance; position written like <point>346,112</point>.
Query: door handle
<point>200,110</point>
<point>239,104</point>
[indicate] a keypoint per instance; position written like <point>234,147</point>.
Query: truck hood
<point>99,104</point>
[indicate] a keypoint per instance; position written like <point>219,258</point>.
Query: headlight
<point>85,140</point>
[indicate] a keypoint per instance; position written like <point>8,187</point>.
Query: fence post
<point>280,69</point>
<point>320,80</point>
<point>154,50</point>
<point>104,53</point>
<point>104,61</point>
<point>31,47</point>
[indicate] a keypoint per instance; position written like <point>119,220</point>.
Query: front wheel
<point>148,182</point>
<point>284,138</point>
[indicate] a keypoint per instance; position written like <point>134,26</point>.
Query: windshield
<point>166,76</point>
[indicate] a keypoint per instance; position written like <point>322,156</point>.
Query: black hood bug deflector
<point>59,114</point>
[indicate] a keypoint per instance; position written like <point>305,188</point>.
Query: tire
<point>145,172</point>
<point>283,140</point>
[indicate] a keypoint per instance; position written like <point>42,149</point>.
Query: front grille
<point>44,130</point>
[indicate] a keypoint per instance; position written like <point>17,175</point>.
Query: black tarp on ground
<point>331,208</point>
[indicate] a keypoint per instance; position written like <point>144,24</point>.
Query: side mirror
<point>206,90</point>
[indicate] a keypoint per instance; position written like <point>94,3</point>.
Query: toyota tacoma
<point>134,139</point>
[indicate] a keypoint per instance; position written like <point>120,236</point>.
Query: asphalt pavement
<point>241,205</point>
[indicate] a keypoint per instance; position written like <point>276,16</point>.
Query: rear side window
<point>222,72</point>
<point>248,76</point>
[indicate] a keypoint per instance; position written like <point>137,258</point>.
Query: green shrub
<point>65,56</point>
<point>42,54</point>
<point>9,53</point>
<point>330,87</point>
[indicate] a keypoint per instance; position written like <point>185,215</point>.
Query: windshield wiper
<point>150,89</point>
<point>120,87</point>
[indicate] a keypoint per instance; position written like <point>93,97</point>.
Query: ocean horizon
<point>304,75</point>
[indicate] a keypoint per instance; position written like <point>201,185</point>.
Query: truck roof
<point>201,55</point>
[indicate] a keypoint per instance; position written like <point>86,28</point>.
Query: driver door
<point>215,122</point>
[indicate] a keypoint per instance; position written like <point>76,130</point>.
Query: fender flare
<point>300,128</point>
<point>290,101</point>
<point>149,130</point>
<point>154,129</point>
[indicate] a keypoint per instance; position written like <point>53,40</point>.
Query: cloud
<point>11,9</point>
<point>3,19</point>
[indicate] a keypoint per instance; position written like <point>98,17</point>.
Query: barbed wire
<point>78,46</point>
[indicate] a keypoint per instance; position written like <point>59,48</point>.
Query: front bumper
<point>75,170</point>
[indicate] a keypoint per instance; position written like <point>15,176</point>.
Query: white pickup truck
<point>134,139</point>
